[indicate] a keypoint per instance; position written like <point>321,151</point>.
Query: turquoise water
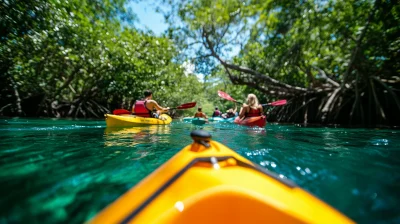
<point>54,171</point>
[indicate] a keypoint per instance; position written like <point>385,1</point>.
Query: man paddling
<point>148,107</point>
<point>200,113</point>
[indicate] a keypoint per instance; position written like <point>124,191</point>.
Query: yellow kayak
<point>133,120</point>
<point>206,182</point>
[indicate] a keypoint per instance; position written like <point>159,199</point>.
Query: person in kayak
<point>251,108</point>
<point>200,114</point>
<point>148,107</point>
<point>216,113</point>
<point>230,113</point>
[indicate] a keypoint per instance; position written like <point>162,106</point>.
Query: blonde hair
<point>252,101</point>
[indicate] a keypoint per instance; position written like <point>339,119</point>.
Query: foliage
<point>82,58</point>
<point>331,58</point>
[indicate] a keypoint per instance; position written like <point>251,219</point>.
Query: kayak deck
<point>259,121</point>
<point>214,184</point>
<point>133,120</point>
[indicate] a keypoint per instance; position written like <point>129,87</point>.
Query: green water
<point>54,171</point>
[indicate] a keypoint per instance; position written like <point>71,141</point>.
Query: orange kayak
<point>259,121</point>
<point>206,182</point>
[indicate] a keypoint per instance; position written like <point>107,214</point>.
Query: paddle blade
<point>278,103</point>
<point>225,96</point>
<point>121,111</point>
<point>187,106</point>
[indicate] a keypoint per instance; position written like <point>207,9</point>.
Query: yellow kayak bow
<point>206,182</point>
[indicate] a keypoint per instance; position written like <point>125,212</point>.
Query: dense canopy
<point>335,61</point>
<point>82,59</point>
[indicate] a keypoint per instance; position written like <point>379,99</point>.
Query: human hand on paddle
<point>180,107</point>
<point>227,97</point>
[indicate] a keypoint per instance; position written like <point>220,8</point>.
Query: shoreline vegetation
<point>335,62</point>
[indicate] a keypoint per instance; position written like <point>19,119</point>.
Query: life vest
<point>199,114</point>
<point>141,109</point>
<point>216,113</point>
<point>253,112</point>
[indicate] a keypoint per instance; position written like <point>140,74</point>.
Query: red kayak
<point>259,121</point>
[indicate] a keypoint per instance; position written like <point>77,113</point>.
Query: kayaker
<point>230,113</point>
<point>216,113</point>
<point>199,113</point>
<point>148,107</point>
<point>251,108</point>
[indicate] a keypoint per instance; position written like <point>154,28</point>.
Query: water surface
<point>54,171</point>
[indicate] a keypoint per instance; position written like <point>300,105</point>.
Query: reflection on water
<point>65,171</point>
<point>136,135</point>
<point>138,140</point>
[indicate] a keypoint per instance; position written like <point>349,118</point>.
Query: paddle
<point>185,106</point>
<point>276,103</point>
<point>181,107</point>
<point>227,97</point>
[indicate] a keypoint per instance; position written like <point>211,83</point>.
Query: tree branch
<point>358,45</point>
<point>257,75</point>
<point>17,98</point>
<point>329,103</point>
<point>324,76</point>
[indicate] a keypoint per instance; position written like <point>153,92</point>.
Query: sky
<point>152,20</point>
<point>148,17</point>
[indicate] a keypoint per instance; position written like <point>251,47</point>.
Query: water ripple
<point>68,170</point>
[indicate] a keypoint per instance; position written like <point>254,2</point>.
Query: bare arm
<point>154,104</point>
<point>234,111</point>
<point>242,111</point>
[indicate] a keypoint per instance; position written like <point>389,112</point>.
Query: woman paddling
<point>251,108</point>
